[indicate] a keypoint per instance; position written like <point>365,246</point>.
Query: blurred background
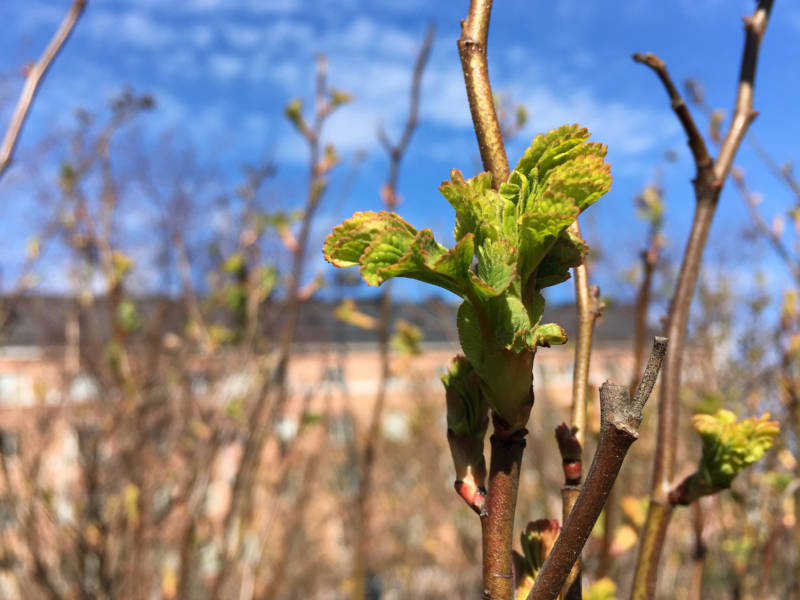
<point>193,404</point>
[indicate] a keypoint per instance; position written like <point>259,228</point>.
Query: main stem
<point>497,522</point>
<point>472,50</point>
<point>507,446</point>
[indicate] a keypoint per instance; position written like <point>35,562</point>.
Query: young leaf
<point>729,446</point>
<point>347,242</point>
<point>478,207</point>
<point>467,421</point>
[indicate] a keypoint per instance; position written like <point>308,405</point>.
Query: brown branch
<point>743,114</point>
<point>696,142</point>
<point>472,50</point>
<point>620,417</point>
<point>698,554</point>
<point>35,74</point>
<point>708,185</point>
<point>497,521</point>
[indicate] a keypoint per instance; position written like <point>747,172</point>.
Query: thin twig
<point>708,185</point>
<point>588,308</point>
<point>620,418</point>
<point>472,50</point>
<point>696,142</point>
<point>35,74</point>
<point>773,238</point>
<point>698,554</point>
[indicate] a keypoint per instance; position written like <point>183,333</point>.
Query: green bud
<point>467,421</point>
<point>729,447</point>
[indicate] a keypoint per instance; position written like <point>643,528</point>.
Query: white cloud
<point>243,36</point>
<point>134,27</point>
<point>225,66</point>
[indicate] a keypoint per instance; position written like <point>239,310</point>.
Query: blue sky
<point>222,71</point>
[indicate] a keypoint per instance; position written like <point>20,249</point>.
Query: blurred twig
<point>372,439</point>
<point>34,77</point>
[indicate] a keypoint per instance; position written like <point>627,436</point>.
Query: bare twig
<point>708,185</point>
<point>35,74</point>
<point>620,417</point>
<point>472,50</point>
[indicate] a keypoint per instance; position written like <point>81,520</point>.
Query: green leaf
<point>478,207</point>
<point>470,335</point>
<point>496,264</point>
<point>347,242</point>
<point>549,334</point>
<point>466,406</point>
<point>540,229</point>
<point>388,248</point>
<point>510,243</point>
<point>505,372</point>
<point>567,253</point>
<point>730,446</point>
<point>547,148</point>
<point>128,316</point>
<point>424,260</point>
<point>584,178</point>
<point>467,421</point>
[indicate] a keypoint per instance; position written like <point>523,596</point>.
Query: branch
<point>619,428</point>
<point>571,444</point>
<point>35,75</point>
<point>695,138</point>
<point>589,309</point>
<point>497,521</point>
<point>743,114</point>
<point>472,50</point>
<point>707,185</point>
<point>396,151</point>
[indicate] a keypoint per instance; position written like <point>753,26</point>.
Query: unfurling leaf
<point>537,541</point>
<point>510,244</point>
<point>467,421</point>
<point>729,447</point>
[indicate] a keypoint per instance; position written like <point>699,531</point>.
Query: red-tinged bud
<point>571,452</point>
<point>474,496</point>
<point>537,540</point>
<point>573,471</point>
<point>568,443</point>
